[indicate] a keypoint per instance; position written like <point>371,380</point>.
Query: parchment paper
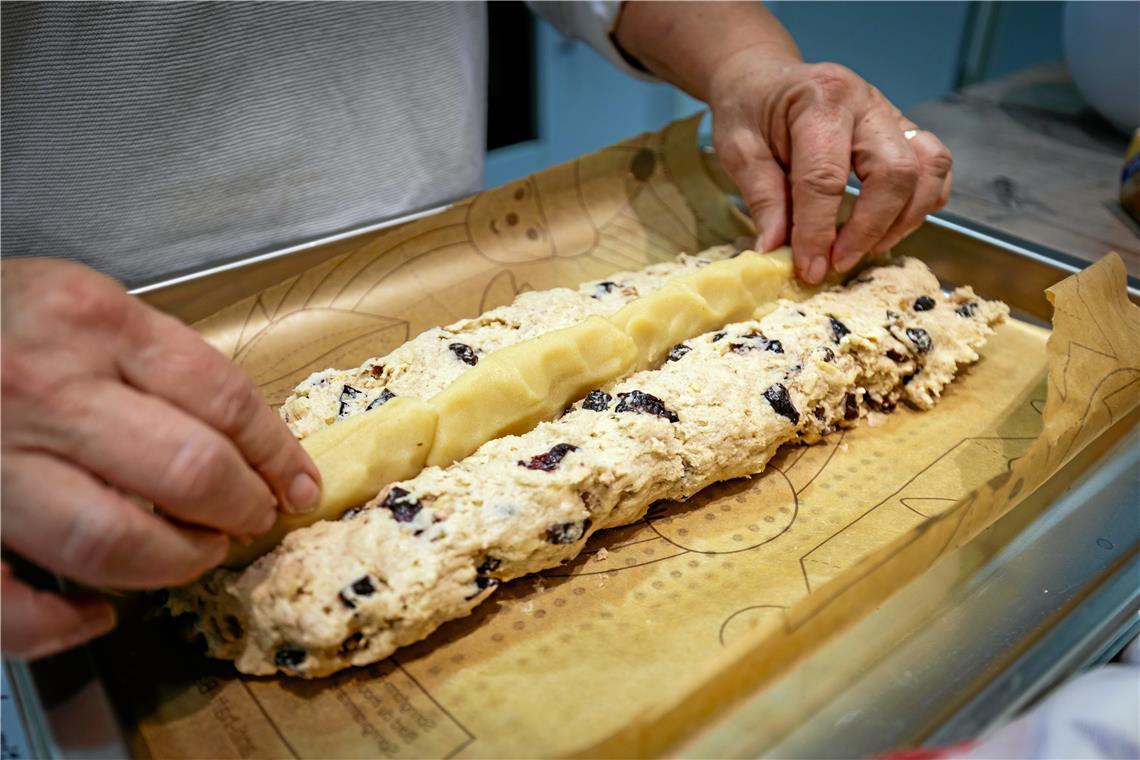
<point>657,625</point>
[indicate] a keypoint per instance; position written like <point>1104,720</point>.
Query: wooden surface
<point>1031,159</point>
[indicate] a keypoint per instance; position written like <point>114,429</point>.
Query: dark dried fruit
<point>403,505</point>
<point>384,397</point>
<point>347,394</point>
<point>376,371</point>
<point>884,405</point>
<point>718,336</point>
<point>907,378</point>
<point>567,533</point>
<point>289,657</point>
<point>896,357</point>
<point>464,353</point>
<point>483,581</point>
<point>967,310</point>
<point>920,338</point>
<point>602,288</point>
<point>677,351</point>
<point>923,303</point>
<point>597,401</point>
<point>489,565</point>
<point>644,403</point>
<point>838,329</point>
<point>362,586</point>
<point>850,407</point>
<point>352,643</point>
<point>819,413</point>
<point>760,341</point>
<point>549,461</point>
<point>828,354</point>
<point>777,396</point>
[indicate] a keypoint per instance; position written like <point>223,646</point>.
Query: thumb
<point>38,623</point>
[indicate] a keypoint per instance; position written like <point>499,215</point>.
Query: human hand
<point>790,133</point>
<point>105,400</point>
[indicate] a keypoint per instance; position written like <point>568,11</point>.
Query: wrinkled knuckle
<point>940,161</point>
<point>827,178</point>
<point>78,298</point>
<point>901,172</point>
<point>197,469</point>
<point>235,403</point>
<point>832,82</point>
<point>94,545</point>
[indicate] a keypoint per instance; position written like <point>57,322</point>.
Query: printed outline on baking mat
<point>804,558</point>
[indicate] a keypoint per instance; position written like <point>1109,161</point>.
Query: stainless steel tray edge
<point>957,252</point>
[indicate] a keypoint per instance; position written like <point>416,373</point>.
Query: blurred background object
<point>1102,50</point>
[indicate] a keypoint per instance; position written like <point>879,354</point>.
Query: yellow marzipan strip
<point>513,389</point>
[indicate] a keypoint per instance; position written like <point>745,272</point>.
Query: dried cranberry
<point>677,351</point>
<point>464,353</point>
<point>967,310</point>
<point>897,357</point>
<point>920,338</point>
<point>838,329</point>
<point>403,505</point>
<point>923,303</point>
<point>347,394</point>
<point>850,407</point>
<point>567,533</point>
<point>289,657</point>
<point>384,397</point>
<point>644,403</point>
<point>718,336</point>
<point>549,461</point>
<point>777,396</point>
<point>597,401</point>
<point>352,643</point>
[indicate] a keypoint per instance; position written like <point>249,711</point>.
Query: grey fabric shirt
<point>145,139</point>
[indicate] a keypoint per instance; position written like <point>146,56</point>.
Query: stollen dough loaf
<point>487,393</point>
<point>430,548</point>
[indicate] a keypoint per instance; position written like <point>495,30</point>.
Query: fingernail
<point>847,261</point>
<point>304,494</point>
<point>817,269</point>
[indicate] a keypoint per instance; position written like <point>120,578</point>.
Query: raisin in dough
<point>429,549</point>
<point>432,360</point>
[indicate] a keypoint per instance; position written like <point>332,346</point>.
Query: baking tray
<point>892,679</point>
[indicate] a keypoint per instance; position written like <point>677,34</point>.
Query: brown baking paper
<point>662,623</point>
